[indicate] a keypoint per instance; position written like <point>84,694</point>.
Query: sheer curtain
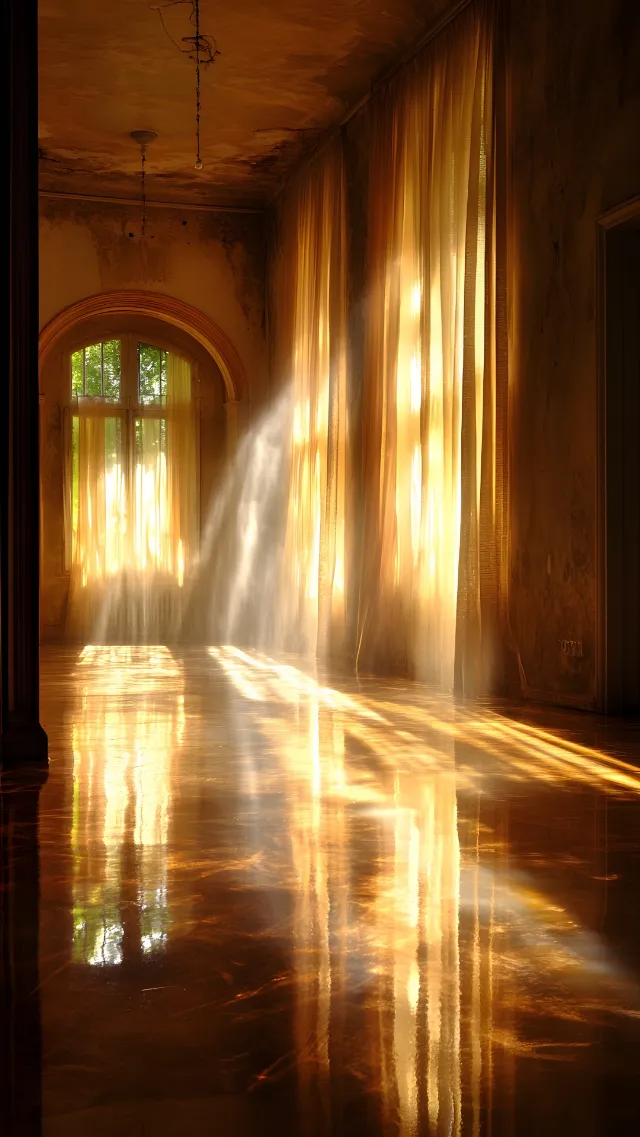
<point>428,569</point>
<point>182,458</point>
<point>429,390</point>
<point>310,330</point>
<point>134,516</point>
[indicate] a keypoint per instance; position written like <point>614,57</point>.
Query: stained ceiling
<point>287,71</point>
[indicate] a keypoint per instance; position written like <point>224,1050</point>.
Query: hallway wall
<point>575,109</point>
<point>214,261</point>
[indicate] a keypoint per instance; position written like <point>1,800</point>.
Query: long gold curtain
<point>429,405</point>
<point>310,308</point>
<point>134,517</point>
<point>424,562</point>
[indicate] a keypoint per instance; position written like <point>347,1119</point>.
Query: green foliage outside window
<point>152,374</point>
<point>95,371</point>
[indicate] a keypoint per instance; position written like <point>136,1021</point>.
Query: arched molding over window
<point>161,307</point>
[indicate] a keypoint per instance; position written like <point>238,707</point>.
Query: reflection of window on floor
<point>122,762</point>
<point>131,454</point>
<point>154,918</point>
<point>97,934</point>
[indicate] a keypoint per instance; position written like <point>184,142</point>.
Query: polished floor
<point>273,903</point>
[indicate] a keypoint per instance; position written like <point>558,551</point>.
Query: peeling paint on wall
<point>213,261</point>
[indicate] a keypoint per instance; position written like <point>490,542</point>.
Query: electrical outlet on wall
<point>572,648</point>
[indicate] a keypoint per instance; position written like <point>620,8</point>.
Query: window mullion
<point>129,371</point>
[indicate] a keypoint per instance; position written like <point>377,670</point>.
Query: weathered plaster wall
<point>575,132</point>
<point>214,261</point>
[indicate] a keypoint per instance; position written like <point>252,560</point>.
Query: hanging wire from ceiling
<point>143,158</point>
<point>142,138</point>
<point>202,49</point>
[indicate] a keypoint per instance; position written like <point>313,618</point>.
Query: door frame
<point>610,219</point>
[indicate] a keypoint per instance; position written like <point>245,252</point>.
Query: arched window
<point>121,424</point>
<point>133,475</point>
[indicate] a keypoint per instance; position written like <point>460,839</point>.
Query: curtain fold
<point>310,334</point>
<point>429,404</point>
<point>182,482</point>
<point>429,564</point>
<point>134,517</point>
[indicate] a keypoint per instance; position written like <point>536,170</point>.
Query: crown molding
<point>95,199</point>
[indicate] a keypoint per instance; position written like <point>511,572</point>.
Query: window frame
<point>129,401</point>
<point>209,394</point>
<point>128,409</point>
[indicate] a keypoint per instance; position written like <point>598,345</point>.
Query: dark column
<point>20,1026</point>
<point>23,739</point>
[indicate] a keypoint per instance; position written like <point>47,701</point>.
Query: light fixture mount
<point>143,137</point>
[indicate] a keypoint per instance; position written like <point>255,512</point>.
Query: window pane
<point>93,365</point>
<point>112,370</point>
<point>152,374</point>
<point>76,374</point>
<point>100,363</point>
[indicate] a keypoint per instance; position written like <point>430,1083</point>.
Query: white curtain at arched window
<point>134,514</point>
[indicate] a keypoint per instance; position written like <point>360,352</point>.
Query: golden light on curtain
<point>429,423</point>
<point>425,560</point>
<point>310,329</point>
<point>134,508</point>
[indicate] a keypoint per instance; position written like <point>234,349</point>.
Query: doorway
<point>619,536</point>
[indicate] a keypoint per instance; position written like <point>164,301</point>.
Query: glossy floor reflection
<point>277,904</point>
